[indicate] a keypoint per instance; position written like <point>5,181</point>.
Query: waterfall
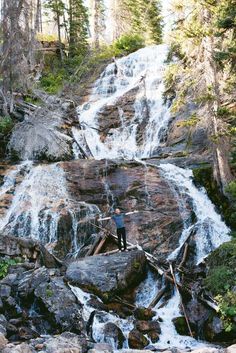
<point>210,230</point>
<point>140,74</point>
<point>40,202</point>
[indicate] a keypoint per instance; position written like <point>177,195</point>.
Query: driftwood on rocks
<point>153,263</point>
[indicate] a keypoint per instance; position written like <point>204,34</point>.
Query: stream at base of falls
<point>41,195</point>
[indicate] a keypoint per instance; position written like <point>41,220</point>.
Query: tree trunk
<point>221,146</point>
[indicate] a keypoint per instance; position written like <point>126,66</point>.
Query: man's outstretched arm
<point>128,213</point>
<point>103,219</point>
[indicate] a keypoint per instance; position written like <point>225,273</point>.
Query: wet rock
<point>144,314</point>
<point>151,328</point>
<point>117,272</point>
<point>30,280</point>
<point>67,342</point>
<point>214,330</point>
<point>137,340</point>
<point>114,335</point>
<point>5,291</point>
<point>61,304</point>
<point>26,333</point>
<point>158,225</point>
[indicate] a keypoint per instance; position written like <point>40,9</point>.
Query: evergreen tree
<point>78,27</point>
<point>144,18</point>
<point>58,9</point>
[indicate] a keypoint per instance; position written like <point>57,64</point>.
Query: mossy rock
<point>182,327</point>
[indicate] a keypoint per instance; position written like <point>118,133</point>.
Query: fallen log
<point>157,298</point>
<point>185,254</point>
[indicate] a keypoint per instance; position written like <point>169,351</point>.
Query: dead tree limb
<point>181,301</point>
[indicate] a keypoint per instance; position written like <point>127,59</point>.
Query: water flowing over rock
<point>123,122</point>
<point>125,115</point>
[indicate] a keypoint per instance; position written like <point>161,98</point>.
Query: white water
<point>39,199</point>
<point>101,318</point>
<point>210,230</point>
<point>142,70</point>
<point>38,204</point>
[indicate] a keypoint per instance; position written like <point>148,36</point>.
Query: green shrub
<point>219,279</point>
<point>227,310</point>
<point>52,83</point>
<point>231,189</point>
<point>6,125</point>
<point>4,265</point>
<point>129,43</point>
<point>192,121</point>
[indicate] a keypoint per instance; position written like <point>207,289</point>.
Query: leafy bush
<point>51,82</point>
<point>219,279</point>
<point>4,265</point>
<point>231,189</point>
<point>6,124</point>
<point>192,121</point>
<point>129,43</point>
<point>227,309</point>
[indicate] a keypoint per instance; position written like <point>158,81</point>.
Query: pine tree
<point>78,27</point>
<point>142,17</point>
<point>58,9</point>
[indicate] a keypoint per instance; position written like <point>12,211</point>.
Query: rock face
<point>130,186</point>
<point>108,275</point>
<point>45,135</point>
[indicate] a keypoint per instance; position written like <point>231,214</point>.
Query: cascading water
<point>210,230</point>
<point>140,72</point>
<point>38,204</point>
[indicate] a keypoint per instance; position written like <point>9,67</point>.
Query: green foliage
<point>78,28</point>
<point>144,18</point>
<point>6,125</point>
<point>219,279</point>
<point>52,83</point>
<point>231,189</point>
<point>227,310</point>
<point>128,43</point>
<point>171,74</point>
<point>4,266</point>
<point>192,121</point>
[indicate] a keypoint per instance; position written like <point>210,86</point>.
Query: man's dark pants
<point>121,233</point>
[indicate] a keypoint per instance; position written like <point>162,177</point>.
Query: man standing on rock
<point>118,218</point>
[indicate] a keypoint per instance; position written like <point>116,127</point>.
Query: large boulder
<point>61,303</point>
<point>45,134</point>
<point>108,275</point>
<point>27,248</point>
